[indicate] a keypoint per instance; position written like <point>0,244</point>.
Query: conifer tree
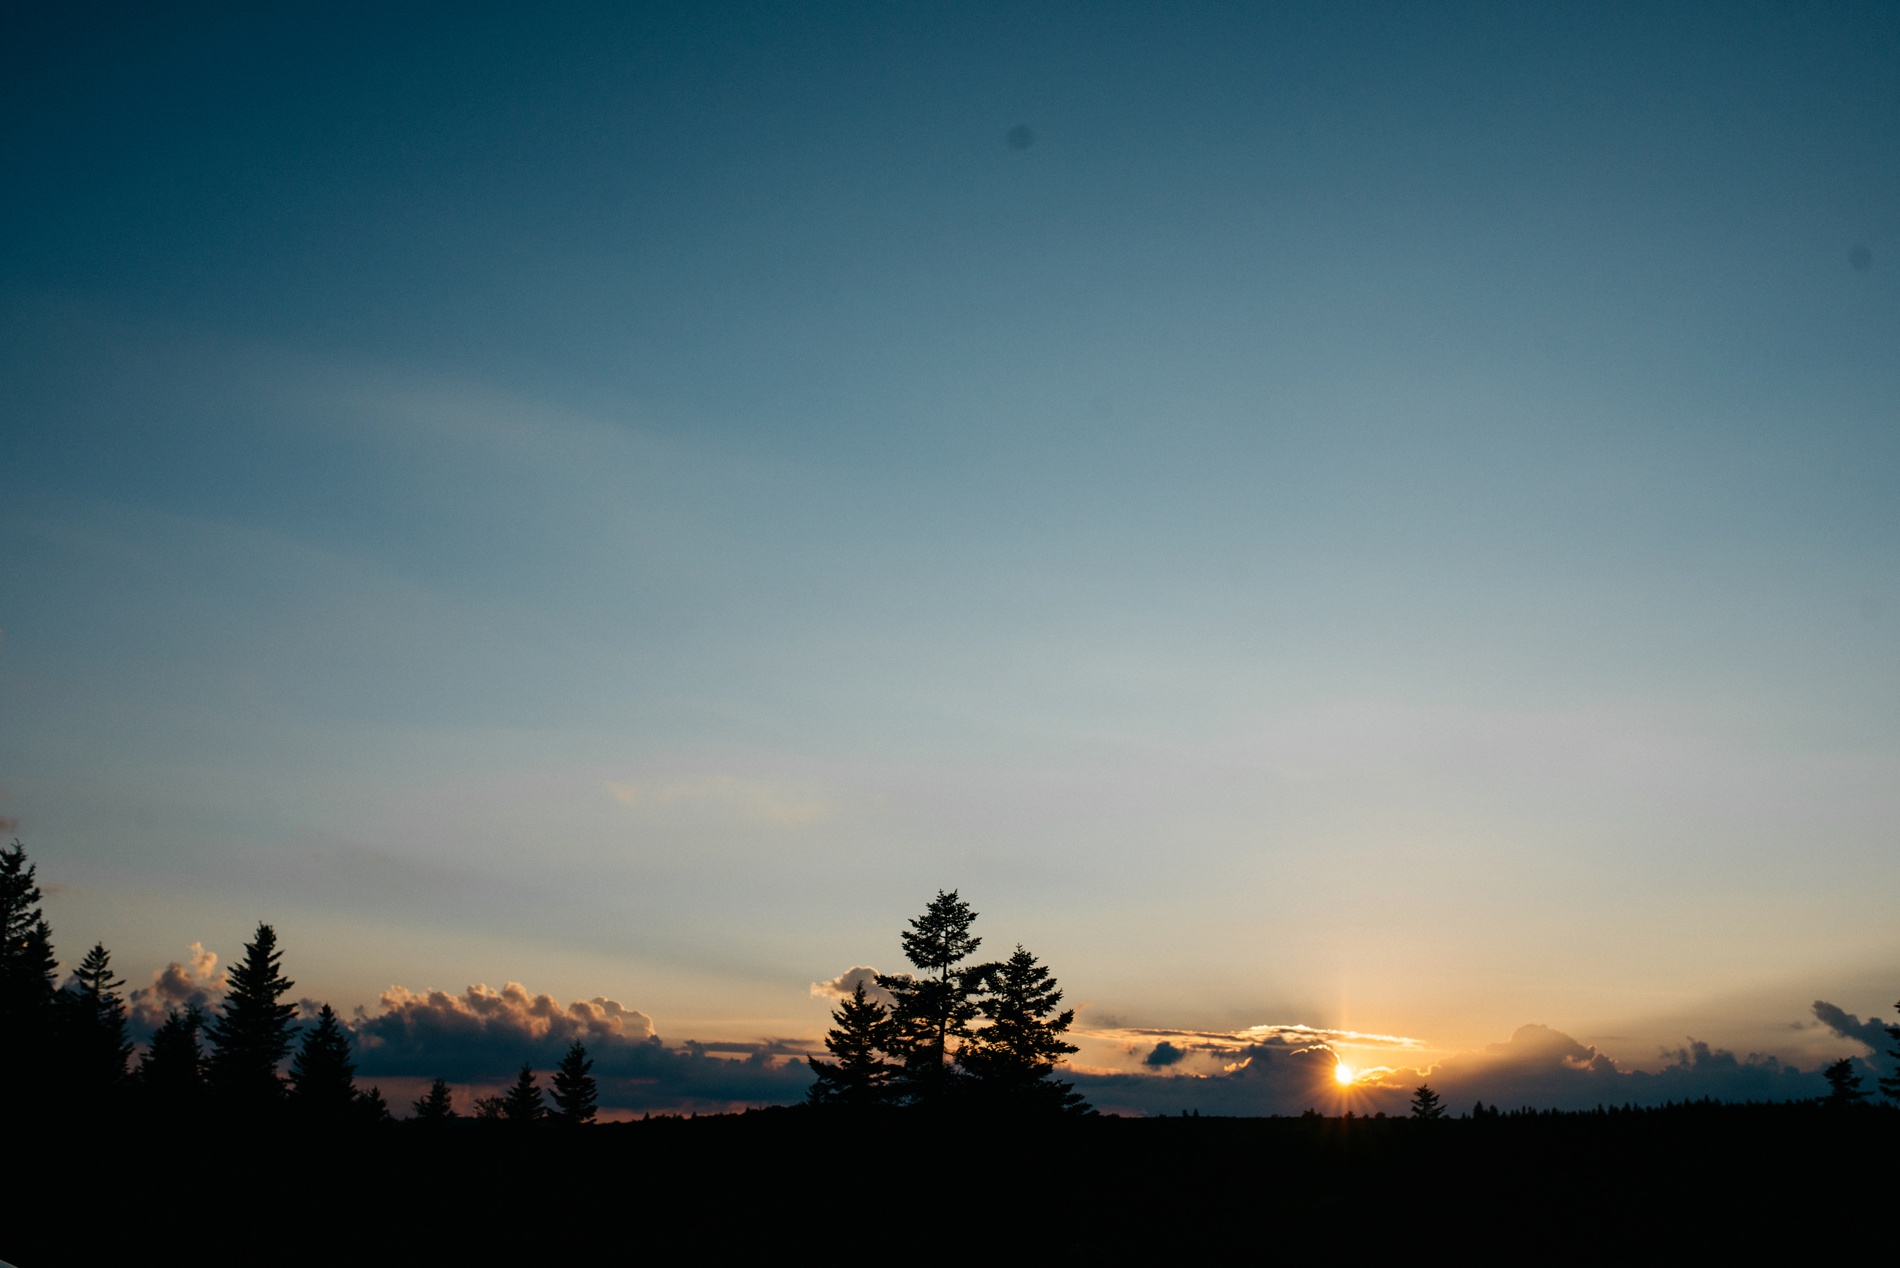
<point>1426,1105</point>
<point>252,1033</point>
<point>574,1089</point>
<point>860,1077</point>
<point>437,1105</point>
<point>1890,1085</point>
<point>95,1046</point>
<point>934,1008</point>
<point>523,1102</point>
<point>1013,1058</point>
<point>323,1075</point>
<point>26,949</point>
<point>28,1006</point>
<point>1843,1085</point>
<point>172,1068</point>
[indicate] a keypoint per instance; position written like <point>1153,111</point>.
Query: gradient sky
<point>1379,517</point>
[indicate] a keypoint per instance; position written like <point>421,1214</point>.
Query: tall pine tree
<point>1013,1058</point>
<point>252,1033</point>
<point>323,1075</point>
<point>523,1103</point>
<point>172,1069</point>
<point>437,1105</point>
<point>1890,1084</point>
<point>860,1077</point>
<point>95,1047</point>
<point>1843,1085</point>
<point>933,1009</point>
<point>26,946</point>
<point>27,1002</point>
<point>574,1089</point>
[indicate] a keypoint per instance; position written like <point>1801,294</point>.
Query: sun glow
<point>1344,1074</point>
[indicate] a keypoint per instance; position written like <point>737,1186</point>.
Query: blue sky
<point>1359,516</point>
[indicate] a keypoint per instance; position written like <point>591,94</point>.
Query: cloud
<point>1881,1061</point>
<point>1871,1032</point>
<point>843,985</point>
<point>197,980</point>
<point>1291,1068</point>
<point>1273,1076</point>
<point>755,802</point>
<point>1548,1069</point>
<point>483,1036</point>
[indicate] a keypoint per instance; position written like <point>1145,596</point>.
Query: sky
<point>1360,517</point>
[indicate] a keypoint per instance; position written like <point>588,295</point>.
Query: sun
<point>1344,1074</point>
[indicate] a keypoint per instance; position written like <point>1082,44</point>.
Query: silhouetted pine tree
<point>1426,1105</point>
<point>523,1102</point>
<point>1843,1085</point>
<point>931,1010</point>
<point>1012,1058</point>
<point>437,1105</point>
<point>172,1070</point>
<point>252,1033</point>
<point>860,1077</point>
<point>322,1075</point>
<point>1890,1086</point>
<point>27,1001</point>
<point>94,1046</point>
<point>26,954</point>
<point>574,1088</point>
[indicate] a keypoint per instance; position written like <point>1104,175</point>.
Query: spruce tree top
<point>94,976</point>
<point>523,1102</point>
<point>860,1077</point>
<point>437,1105</point>
<point>26,942</point>
<point>940,938</point>
<point>252,1033</point>
<point>574,1088</point>
<point>323,1075</point>
<point>1426,1103</point>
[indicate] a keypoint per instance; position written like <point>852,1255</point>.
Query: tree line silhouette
<point>74,1037</point>
<point>924,1051</point>
<point>954,1034</point>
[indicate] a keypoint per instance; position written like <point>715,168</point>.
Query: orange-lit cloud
<point>483,1036</point>
<point>195,980</point>
<point>842,986</point>
<point>1287,1069</point>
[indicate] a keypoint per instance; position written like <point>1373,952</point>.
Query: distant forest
<point>956,1035</point>
<point>938,1118</point>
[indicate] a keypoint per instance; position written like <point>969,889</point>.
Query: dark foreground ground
<point>789,1184</point>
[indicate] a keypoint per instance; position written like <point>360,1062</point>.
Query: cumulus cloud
<point>1546,1068</point>
<point>483,1036</point>
<point>752,801</point>
<point>1871,1032</point>
<point>1291,1069</point>
<point>1275,1075</point>
<point>195,980</point>
<point>847,982</point>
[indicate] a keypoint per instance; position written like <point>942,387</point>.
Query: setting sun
<point>1344,1074</point>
